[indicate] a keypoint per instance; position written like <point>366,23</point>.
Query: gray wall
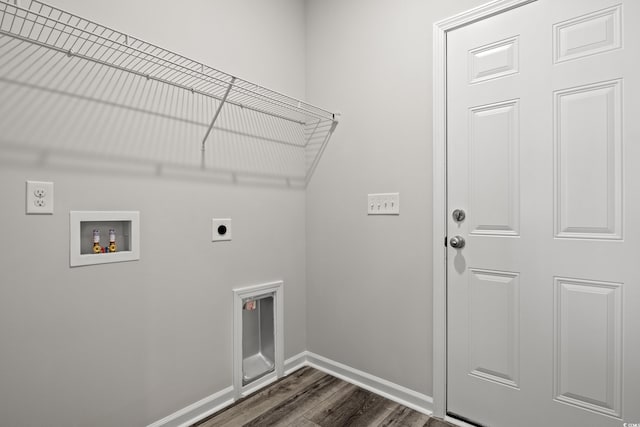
<point>369,284</point>
<point>127,344</point>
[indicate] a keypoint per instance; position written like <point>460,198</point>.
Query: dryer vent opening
<point>258,337</point>
<point>258,341</point>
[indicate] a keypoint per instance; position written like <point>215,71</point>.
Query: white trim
<point>479,13</point>
<point>407,397</point>
<point>296,362</point>
<point>256,385</point>
<point>217,401</point>
<point>458,422</point>
<point>197,411</point>
<point>440,30</point>
<point>254,291</point>
<point>290,365</point>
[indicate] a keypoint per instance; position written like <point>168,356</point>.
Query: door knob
<point>457,242</point>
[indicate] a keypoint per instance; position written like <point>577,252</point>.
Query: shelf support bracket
<point>334,124</point>
<point>215,117</point>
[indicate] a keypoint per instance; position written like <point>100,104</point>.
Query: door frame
<point>440,30</point>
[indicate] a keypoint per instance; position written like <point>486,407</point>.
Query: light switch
<point>383,204</point>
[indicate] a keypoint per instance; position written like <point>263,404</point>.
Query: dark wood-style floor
<point>310,398</point>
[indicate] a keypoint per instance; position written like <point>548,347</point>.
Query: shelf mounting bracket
<point>215,117</point>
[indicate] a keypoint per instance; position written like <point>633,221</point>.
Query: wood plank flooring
<point>310,398</point>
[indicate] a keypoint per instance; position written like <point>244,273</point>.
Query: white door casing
<point>543,302</point>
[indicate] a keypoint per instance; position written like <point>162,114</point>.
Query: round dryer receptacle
<point>222,230</point>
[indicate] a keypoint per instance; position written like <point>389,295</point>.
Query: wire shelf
<point>38,42</point>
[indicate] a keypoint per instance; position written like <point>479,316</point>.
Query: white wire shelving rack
<point>30,29</point>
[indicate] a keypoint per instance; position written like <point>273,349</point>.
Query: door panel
<point>494,350</point>
<point>588,309</point>
<point>494,60</point>
<point>494,169</point>
<point>543,301</point>
<point>588,176</point>
<point>588,34</point>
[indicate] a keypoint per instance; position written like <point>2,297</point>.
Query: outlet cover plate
<point>39,198</point>
<point>221,229</point>
<point>383,204</point>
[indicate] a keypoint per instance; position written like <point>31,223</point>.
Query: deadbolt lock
<point>459,215</point>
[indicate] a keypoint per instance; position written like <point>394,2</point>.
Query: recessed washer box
<point>84,224</point>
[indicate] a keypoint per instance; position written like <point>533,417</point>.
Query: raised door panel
<point>588,345</point>
<point>589,34</point>
<point>588,158</point>
<point>494,333</point>
<point>494,172</point>
<point>494,60</point>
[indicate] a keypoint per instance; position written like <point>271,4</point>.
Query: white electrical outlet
<point>220,229</point>
<point>39,198</point>
<point>383,204</point>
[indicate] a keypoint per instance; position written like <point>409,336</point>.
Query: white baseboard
<point>296,362</point>
<point>217,401</point>
<point>457,422</point>
<point>257,385</point>
<point>290,365</point>
<point>407,397</point>
<point>197,411</point>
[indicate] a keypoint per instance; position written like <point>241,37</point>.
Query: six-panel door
<point>542,145</point>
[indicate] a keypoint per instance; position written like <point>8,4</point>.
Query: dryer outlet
<point>221,229</point>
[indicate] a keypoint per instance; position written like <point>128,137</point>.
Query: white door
<point>543,156</point>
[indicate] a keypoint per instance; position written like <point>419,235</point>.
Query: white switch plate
<point>220,229</point>
<point>39,197</point>
<point>383,204</point>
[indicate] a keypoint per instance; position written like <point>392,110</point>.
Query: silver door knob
<point>457,242</point>
<point>458,215</point>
